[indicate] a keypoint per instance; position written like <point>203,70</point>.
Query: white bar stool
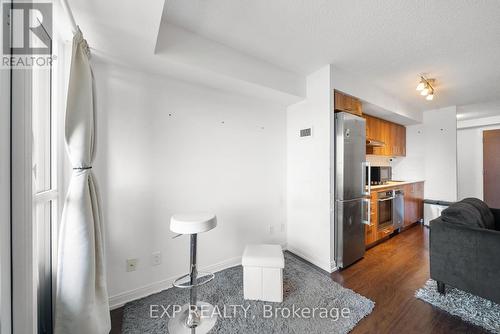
<point>196,315</point>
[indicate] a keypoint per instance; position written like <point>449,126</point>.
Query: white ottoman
<point>263,272</point>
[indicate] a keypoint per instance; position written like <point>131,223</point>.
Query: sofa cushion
<point>496,215</point>
<point>462,213</point>
<point>484,210</point>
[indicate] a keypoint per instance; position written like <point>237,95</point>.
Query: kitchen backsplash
<point>401,170</point>
<point>378,160</point>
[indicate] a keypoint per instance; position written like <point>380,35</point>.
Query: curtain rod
<point>68,11</point>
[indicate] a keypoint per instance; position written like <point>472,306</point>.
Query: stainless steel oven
<point>398,212</point>
<point>390,209</point>
<point>385,203</point>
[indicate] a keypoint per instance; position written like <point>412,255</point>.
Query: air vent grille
<point>306,132</point>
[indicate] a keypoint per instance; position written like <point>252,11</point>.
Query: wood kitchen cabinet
<point>420,201</point>
<point>410,208</point>
<point>413,206</point>
<point>397,142</point>
<point>371,230</point>
<point>401,140</point>
<point>347,103</point>
<point>414,203</point>
<point>391,134</point>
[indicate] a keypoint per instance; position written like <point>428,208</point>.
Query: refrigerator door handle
<point>366,187</point>
<point>350,200</point>
<point>368,212</point>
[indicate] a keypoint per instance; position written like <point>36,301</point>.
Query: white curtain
<point>82,298</point>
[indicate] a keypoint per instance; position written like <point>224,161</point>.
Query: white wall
<point>412,166</point>
<point>165,147</point>
<point>308,169</point>
<point>440,157</point>
<point>431,154</point>
<point>470,155</point>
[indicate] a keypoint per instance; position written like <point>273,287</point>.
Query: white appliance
<point>432,210</point>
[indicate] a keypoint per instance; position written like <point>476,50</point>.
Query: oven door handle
<point>386,199</point>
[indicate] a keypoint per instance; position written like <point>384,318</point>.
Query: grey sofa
<point>465,249</point>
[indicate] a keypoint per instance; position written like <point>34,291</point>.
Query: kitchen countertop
<point>393,184</point>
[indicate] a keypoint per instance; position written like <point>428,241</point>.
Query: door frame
<point>23,308</point>
<point>5,203</point>
<point>5,197</point>
<point>483,130</point>
<point>24,303</point>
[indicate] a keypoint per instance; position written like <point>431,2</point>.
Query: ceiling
<point>377,111</point>
<point>388,43</point>
<point>478,110</point>
<point>137,36</point>
<point>266,48</point>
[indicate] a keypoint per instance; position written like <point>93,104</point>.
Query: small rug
<point>312,303</point>
<point>470,308</point>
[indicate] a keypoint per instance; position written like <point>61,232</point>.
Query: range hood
<point>374,143</point>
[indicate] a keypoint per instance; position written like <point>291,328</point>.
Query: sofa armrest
<point>466,257</point>
<point>496,215</point>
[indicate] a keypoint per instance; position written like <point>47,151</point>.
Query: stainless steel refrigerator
<point>352,204</point>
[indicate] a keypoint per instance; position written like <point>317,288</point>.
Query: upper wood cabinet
<point>347,103</point>
<point>391,134</point>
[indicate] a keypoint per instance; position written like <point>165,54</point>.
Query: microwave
<point>379,174</point>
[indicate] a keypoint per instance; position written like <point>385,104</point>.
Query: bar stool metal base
<point>206,321</point>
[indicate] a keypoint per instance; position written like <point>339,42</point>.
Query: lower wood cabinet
<point>381,234</point>
<point>413,205</point>
<point>371,230</point>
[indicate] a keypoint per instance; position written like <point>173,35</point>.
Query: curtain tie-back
<point>82,168</point>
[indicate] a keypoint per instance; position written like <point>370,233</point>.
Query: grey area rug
<point>470,308</point>
<point>304,287</point>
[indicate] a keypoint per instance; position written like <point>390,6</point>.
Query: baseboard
<point>323,265</point>
<point>121,299</point>
<point>333,267</point>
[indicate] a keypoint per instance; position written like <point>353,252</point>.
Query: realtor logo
<point>27,34</point>
<point>27,28</point>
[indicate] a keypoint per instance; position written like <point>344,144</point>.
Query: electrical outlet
<point>131,264</point>
<point>156,258</point>
<point>282,227</point>
<point>271,229</point>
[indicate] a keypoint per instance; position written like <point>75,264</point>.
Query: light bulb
<point>430,97</point>
<point>421,86</point>
<point>424,91</point>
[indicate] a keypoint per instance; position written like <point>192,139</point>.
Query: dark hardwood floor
<point>389,274</point>
<point>116,321</point>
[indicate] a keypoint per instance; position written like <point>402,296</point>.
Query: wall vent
<point>305,132</point>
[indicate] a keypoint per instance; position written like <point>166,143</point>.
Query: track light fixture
<point>425,88</point>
